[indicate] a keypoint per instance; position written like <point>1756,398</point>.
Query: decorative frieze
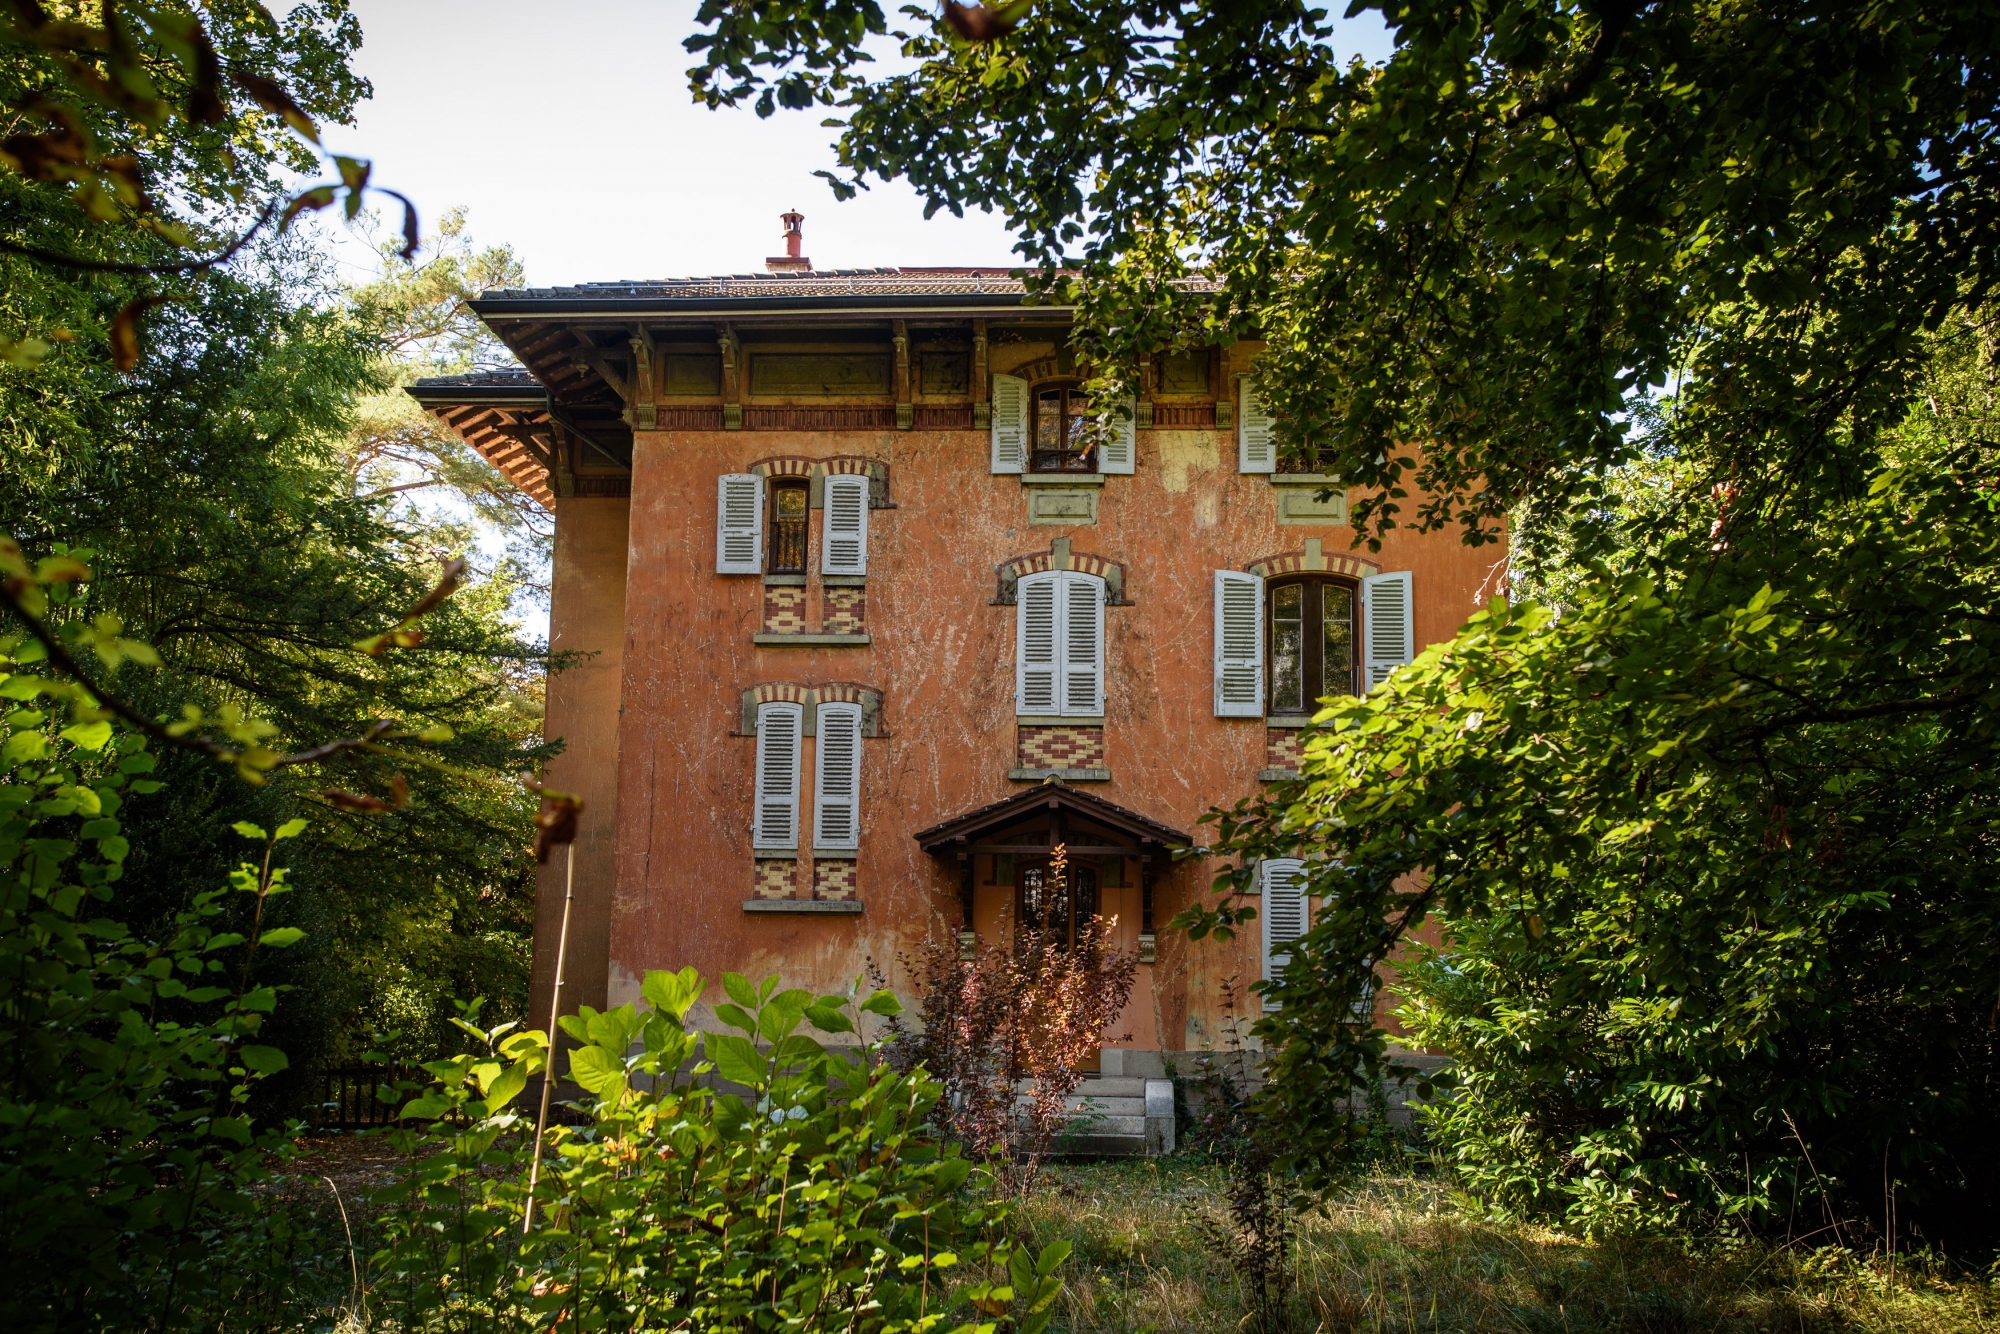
<point>773,879</point>
<point>843,611</point>
<point>1043,747</point>
<point>833,880</point>
<point>1314,559</point>
<point>785,610</point>
<point>1059,556</point>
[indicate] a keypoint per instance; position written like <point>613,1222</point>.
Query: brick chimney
<point>795,237</point>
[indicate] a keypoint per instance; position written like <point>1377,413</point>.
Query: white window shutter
<point>1082,643</point>
<point>1118,448</point>
<point>1256,438</point>
<point>1388,624</point>
<point>1010,424</point>
<point>739,524</point>
<point>844,539</point>
<point>1239,645</point>
<point>837,777</point>
<point>778,734</point>
<point>1035,635</point>
<point>1283,914</point>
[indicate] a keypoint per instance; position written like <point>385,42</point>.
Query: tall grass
<point>1398,1256</point>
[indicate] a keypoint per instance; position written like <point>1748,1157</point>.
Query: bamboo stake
<point>555,1009</point>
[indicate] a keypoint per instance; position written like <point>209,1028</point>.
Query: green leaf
<point>425,1108</point>
<point>829,1018</point>
<point>740,990</point>
<point>248,830</point>
<point>737,1059</point>
<point>882,1003</point>
<point>290,829</point>
<point>98,829</point>
<point>507,1087</point>
<point>735,1018</point>
<point>672,993</point>
<point>600,1071</point>
<point>279,937</point>
<point>89,736</point>
<point>264,1060</point>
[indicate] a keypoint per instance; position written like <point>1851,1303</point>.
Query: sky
<point>568,133</point>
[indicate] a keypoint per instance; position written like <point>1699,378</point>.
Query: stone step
<point>1112,1086</point>
<point>1119,1117</point>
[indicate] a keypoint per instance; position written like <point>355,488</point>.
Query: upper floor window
<point>1061,431</point>
<point>1282,646</point>
<point>1059,645</point>
<point>1312,643</point>
<point>789,506</point>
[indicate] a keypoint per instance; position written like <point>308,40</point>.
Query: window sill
<point>1055,720</point>
<point>1318,479</point>
<point>843,581</point>
<point>808,641</point>
<point>775,854</point>
<point>836,854</point>
<point>1067,775</point>
<point>1289,720</point>
<point>1276,775</point>
<point>784,581</point>
<point>809,907</point>
<point>1062,479</point>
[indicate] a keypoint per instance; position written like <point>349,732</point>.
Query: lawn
<point>1395,1254</point>
<point>1391,1254</point>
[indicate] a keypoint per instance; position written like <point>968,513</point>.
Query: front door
<point>1065,910</point>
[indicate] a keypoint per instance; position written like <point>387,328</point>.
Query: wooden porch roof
<point>958,833</point>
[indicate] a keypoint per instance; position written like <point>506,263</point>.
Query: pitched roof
<point>1032,801</point>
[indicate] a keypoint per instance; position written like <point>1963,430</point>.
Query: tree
<point>420,309</point>
<point>1711,846</point>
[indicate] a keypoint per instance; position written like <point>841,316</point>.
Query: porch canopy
<point>1030,824</point>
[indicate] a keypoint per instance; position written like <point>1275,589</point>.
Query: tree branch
<point>1610,27</point>
<point>111,266</point>
<point>60,656</point>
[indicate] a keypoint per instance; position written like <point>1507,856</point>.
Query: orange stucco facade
<point>654,718</point>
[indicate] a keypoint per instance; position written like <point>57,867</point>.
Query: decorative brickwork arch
<point>818,470</point>
<point>1313,560</point>
<point>811,696</point>
<point>1059,557</point>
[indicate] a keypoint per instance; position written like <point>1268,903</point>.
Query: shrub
<point>744,1180</point>
<point>1024,1012</point>
<point>126,1150</point>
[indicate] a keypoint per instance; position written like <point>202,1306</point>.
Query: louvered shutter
<point>1283,914</point>
<point>1035,632</point>
<point>1118,448</point>
<point>739,524</point>
<point>1082,645</point>
<point>1388,624</point>
<point>837,777</point>
<point>1010,424</point>
<point>844,541</point>
<point>1239,645</point>
<point>1256,441</point>
<point>777,818</point>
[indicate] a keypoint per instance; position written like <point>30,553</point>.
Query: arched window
<point>1312,642</point>
<point>1060,430</point>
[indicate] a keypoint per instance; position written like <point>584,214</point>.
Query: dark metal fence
<point>350,1099</point>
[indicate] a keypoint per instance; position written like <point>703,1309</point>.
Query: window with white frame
<point>1281,882</point>
<point>1059,645</point>
<point>780,729</point>
<point>837,778</point>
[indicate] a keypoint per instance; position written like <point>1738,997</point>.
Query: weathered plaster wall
<point>944,660</point>
<point>586,616</point>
